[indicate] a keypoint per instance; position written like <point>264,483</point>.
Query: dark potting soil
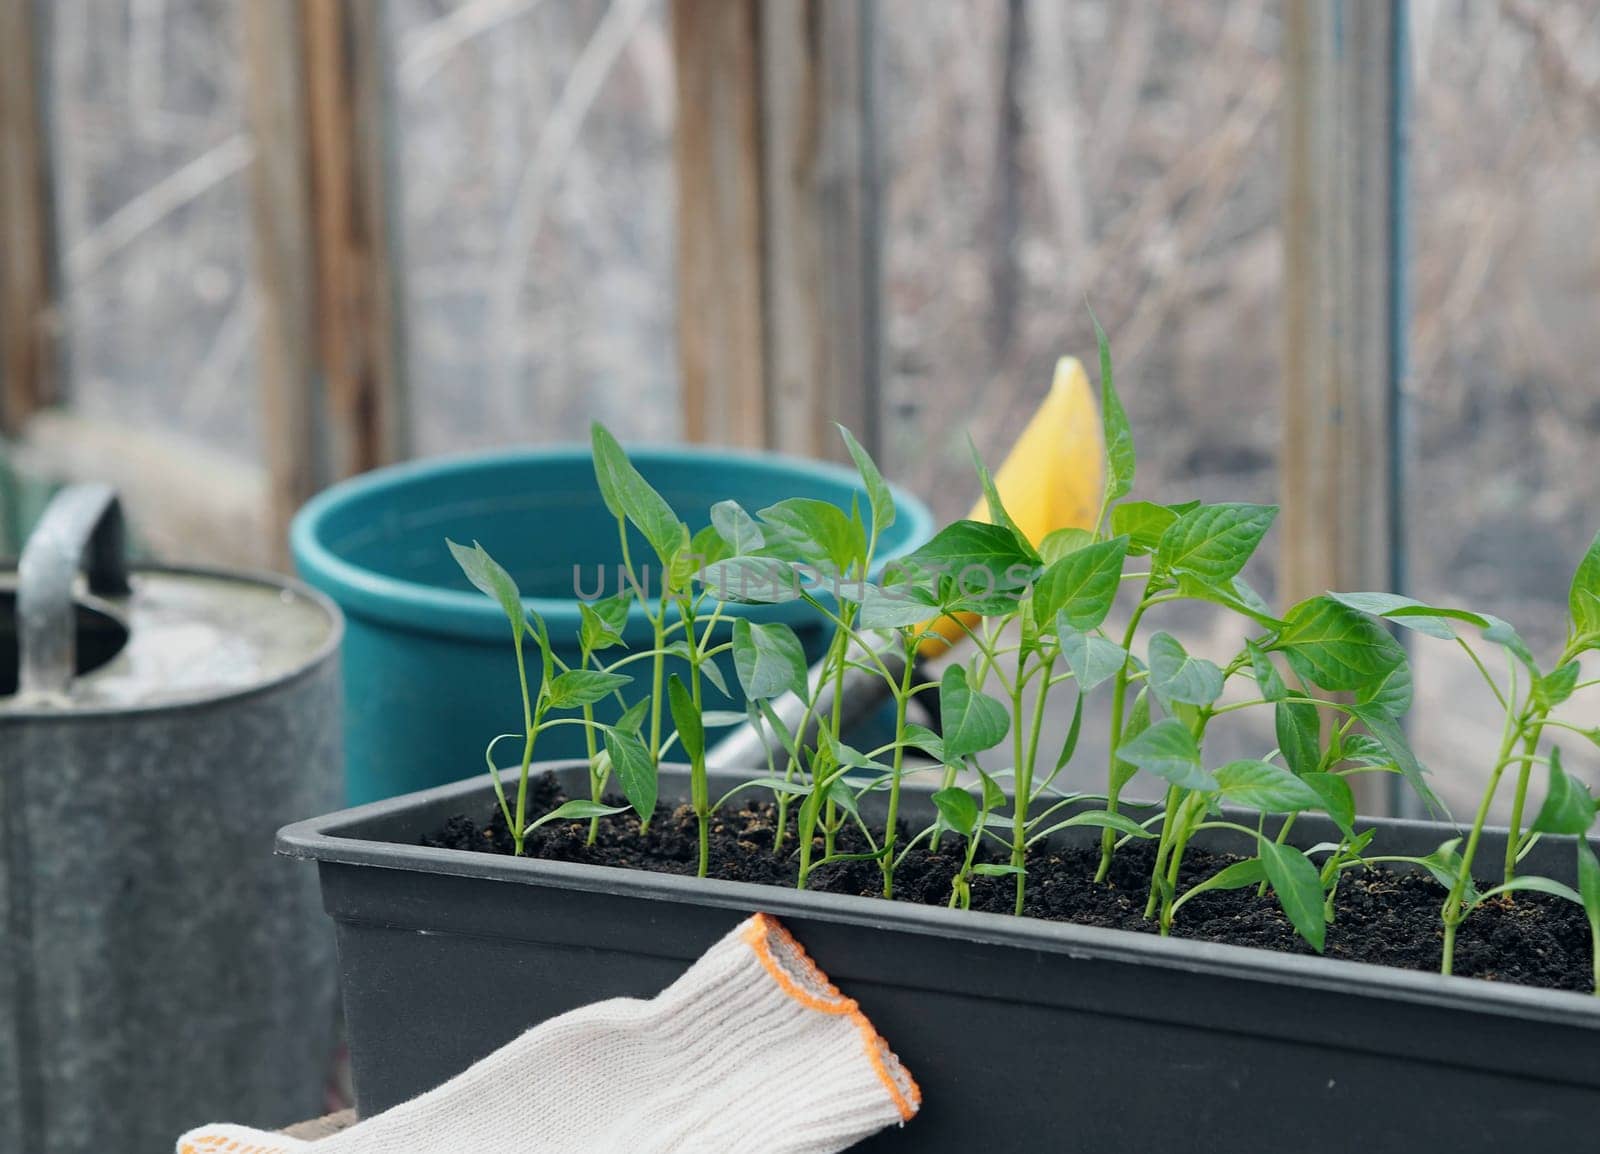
<point>1382,917</point>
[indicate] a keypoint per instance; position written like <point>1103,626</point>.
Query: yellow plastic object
<point>1052,479</point>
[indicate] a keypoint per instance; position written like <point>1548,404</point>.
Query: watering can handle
<point>81,529</point>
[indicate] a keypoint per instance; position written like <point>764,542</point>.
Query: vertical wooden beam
<point>778,258</point>
<point>1343,295</point>
<point>717,151</point>
<point>332,388</point>
<point>27,361</point>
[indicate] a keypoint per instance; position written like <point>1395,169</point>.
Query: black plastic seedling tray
<point>1025,1035</point>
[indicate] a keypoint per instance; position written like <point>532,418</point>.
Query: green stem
<point>530,727</point>
<point>1530,745</point>
<point>891,828</point>
<point>1453,912</point>
<point>1025,763</point>
<point>1163,845</point>
<point>1119,694</point>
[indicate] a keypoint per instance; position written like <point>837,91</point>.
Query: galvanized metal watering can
<point>158,968</point>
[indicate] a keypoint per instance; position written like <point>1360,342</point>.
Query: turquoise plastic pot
<point>428,666</point>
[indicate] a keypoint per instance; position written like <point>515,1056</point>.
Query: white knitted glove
<point>751,1049</point>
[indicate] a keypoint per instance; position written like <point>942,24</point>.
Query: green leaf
<point>1176,676</point>
<point>632,720</point>
<point>753,581</point>
<point>1583,598</point>
<point>1168,750</point>
<point>636,773</point>
<point>1504,634</point>
<point>1557,686</point>
<point>488,576</point>
<point>997,869</point>
<point>1213,542</point>
<point>879,498</point>
<point>1120,459</point>
<point>963,547</point>
<point>1445,864</point>
<point>958,809</point>
<point>1338,800</point>
<point>1392,694</point>
<point>1059,542</point>
<point>1567,807</point>
<point>1234,593</point>
<point>1266,674</point>
<point>737,528</point>
<point>1081,586</point>
<point>1589,884</point>
<point>686,718</point>
<point>991,496</point>
<point>1265,786</point>
<point>1142,523</point>
<point>1535,884</point>
<point>628,495</point>
<point>1234,877</point>
<point>769,659</point>
<point>1138,721</point>
<point>972,720</point>
<point>1388,734</point>
<point>705,548</point>
<point>583,687</point>
<point>1409,612</point>
<point>1299,888</point>
<point>1070,744</point>
<point>600,623</point>
<point>925,739</point>
<point>1336,647</point>
<point>896,606</point>
<point>1093,658</point>
<point>993,796</point>
<point>577,810</point>
<point>1100,819</point>
<point>807,530</point>
<point>1298,729</point>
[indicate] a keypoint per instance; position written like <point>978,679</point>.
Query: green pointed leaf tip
<point>583,687</point>
<point>1298,887</point>
<point>1338,799</point>
<point>768,659</point>
<point>1093,659</point>
<point>636,773</point>
<point>686,718</point>
<point>736,527</point>
<point>1121,461</point>
<point>1142,523</point>
<point>1568,808</point>
<point>1168,750</point>
<point>1336,647</point>
<point>578,810</point>
<point>972,720</point>
<point>814,532</point>
<point>629,496</point>
<point>1389,735</point>
<point>1081,586</point>
<point>1059,542</point>
<point>1176,676</point>
<point>1266,787</point>
<point>879,498</point>
<point>958,809</point>
<point>1589,884</point>
<point>1583,599</point>
<point>1268,679</point>
<point>753,581</point>
<point>1213,542</point>
<point>489,577</point>
<point>991,497</point>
